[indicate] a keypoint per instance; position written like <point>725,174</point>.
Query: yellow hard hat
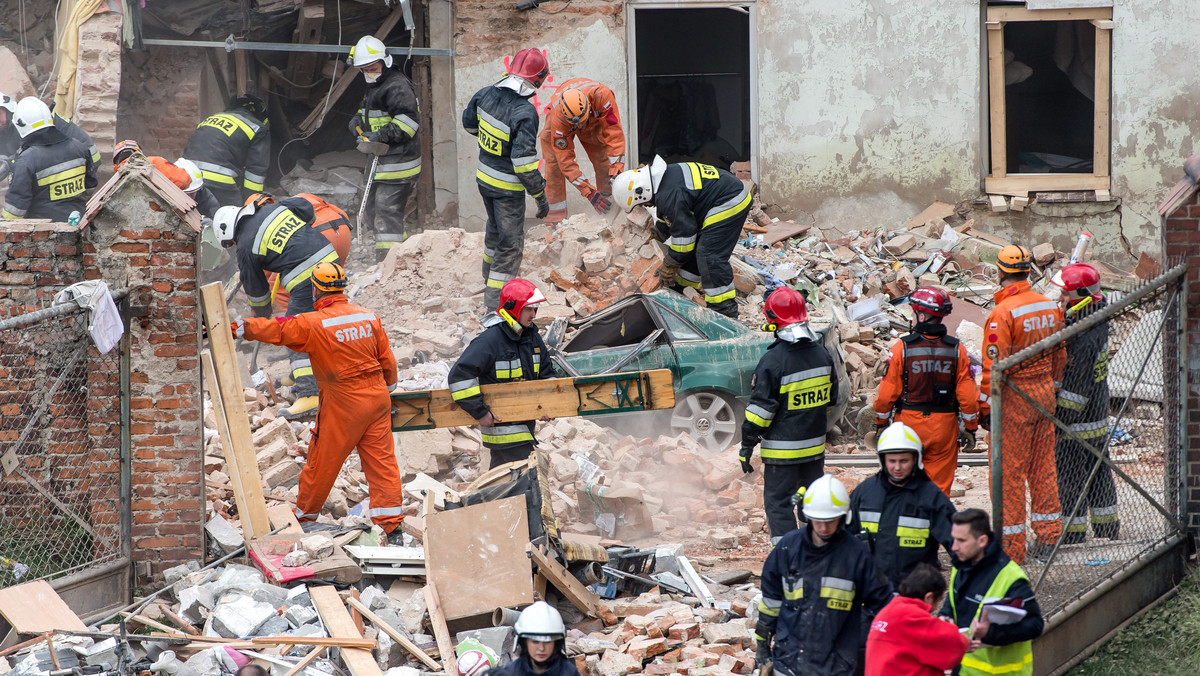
<point>329,277</point>
<point>1014,258</point>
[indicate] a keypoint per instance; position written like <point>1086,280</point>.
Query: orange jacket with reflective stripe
<point>1021,318</point>
<point>342,340</point>
<point>891,388</point>
<point>604,121</point>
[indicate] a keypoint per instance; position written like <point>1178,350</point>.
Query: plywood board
<point>476,557</point>
<point>938,209</point>
<point>338,624</point>
<point>564,581</point>
<point>35,608</point>
<point>423,482</point>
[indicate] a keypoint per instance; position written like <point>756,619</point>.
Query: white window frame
<point>631,117</point>
<point>999,181</point>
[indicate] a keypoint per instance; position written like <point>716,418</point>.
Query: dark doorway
<point>693,85</point>
<point>1049,93</point>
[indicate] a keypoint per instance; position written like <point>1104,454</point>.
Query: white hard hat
<point>224,222</point>
<point>193,172</point>
<point>8,103</point>
<point>30,115</point>
<point>540,622</point>
<point>827,498</point>
<point>369,49</point>
<point>900,438</point>
<point>636,186</point>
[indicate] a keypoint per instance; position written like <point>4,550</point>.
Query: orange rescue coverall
<point>1021,318</point>
<point>602,138</point>
<point>354,367</point>
<point>331,222</point>
<point>938,429</point>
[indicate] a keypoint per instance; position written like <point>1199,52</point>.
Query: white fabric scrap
<point>105,325</point>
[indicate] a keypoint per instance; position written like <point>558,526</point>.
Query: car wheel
<point>713,419</point>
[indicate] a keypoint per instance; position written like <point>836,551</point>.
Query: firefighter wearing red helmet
<point>793,387</point>
<point>509,349</point>
<point>1082,405</point>
<point>506,124</point>
<point>927,385</point>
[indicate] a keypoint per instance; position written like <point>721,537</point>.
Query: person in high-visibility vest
<point>982,571</point>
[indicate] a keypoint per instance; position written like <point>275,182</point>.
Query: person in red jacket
<point>906,640</point>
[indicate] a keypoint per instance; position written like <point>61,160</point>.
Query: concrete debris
<point>238,616</point>
<point>224,534</point>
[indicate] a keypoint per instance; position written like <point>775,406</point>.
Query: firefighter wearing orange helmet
<point>1020,318</point>
<point>355,371</point>
<point>584,109</point>
<point>927,385</point>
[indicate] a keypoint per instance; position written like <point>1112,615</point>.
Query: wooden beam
<point>218,71</point>
<point>422,80</point>
<point>239,446</point>
<point>396,636</point>
<point>565,582</point>
<point>699,589</point>
<point>440,632</point>
<point>337,623</point>
<point>317,116</point>
<point>306,660</point>
<point>1017,13</point>
<point>996,102</point>
<point>1027,183</point>
<point>186,626</point>
<point>328,642</point>
<point>241,70</point>
<point>284,517</point>
<point>1100,96</point>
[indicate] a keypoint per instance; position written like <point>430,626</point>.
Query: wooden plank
<point>699,589</point>
<point>143,620</point>
<point>1101,95</point>
<point>396,636</point>
<point>35,608</point>
<point>437,619</point>
<point>425,482</point>
<point>1022,184</point>
<point>996,101</point>
<point>306,660</point>
<point>347,77</point>
<point>328,642</point>
<point>476,555</point>
<point>564,582</point>
<point>282,516</point>
<point>242,465</point>
<point>1017,13</point>
<point>303,67</point>
<point>388,555</point>
<point>530,400</point>
<point>938,209</point>
<point>242,70</point>
<point>337,623</point>
<point>183,624</point>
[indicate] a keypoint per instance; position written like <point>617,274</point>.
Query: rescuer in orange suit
<point>355,371</point>
<point>585,109</point>
<point>927,383</point>
<point>1021,318</point>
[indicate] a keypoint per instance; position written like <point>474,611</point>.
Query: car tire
<point>713,419</point>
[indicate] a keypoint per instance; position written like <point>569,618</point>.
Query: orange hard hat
<point>573,105</point>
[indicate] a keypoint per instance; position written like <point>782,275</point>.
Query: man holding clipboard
<point>991,598</point>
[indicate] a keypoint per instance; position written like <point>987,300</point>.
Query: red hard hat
<point>931,300</point>
<point>530,64</point>
<point>1078,281</point>
<point>785,306</point>
<point>516,294</point>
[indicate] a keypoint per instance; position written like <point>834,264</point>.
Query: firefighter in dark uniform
<point>817,584</point>
<point>233,150</point>
<point>72,130</point>
<point>1083,406</point>
<point>701,211</point>
<point>51,171</point>
<point>899,512</point>
<point>794,385</point>
<point>388,114</point>
<point>506,124</point>
<point>278,237</point>
<point>510,349</point>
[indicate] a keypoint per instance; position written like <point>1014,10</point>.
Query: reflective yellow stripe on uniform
<point>727,209</point>
<point>397,170</point>
<point>869,520</point>
<point>510,370</point>
<point>759,415</point>
<point>407,124</point>
<point>685,278</point>
<point>524,165</point>
<point>498,179</point>
<point>1071,401</point>
<point>776,449</point>
<point>769,607</point>
<point>793,588</point>
<point>912,532</point>
<point>461,389</point>
<point>720,294</point>
<point>1090,430</point>
<point>505,434</point>
<point>216,173</point>
<point>61,172</point>
<point>302,272</point>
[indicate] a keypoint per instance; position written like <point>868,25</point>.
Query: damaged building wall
<point>160,98</point>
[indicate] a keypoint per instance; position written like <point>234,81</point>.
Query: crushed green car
<point>711,357</point>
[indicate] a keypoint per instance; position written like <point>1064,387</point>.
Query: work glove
<point>762,654</point>
<point>660,231</point>
<point>371,136</point>
<point>667,272</point>
<point>614,169</point>
<point>238,328</point>
<point>601,202</point>
<point>543,205</point>
<point>744,458</point>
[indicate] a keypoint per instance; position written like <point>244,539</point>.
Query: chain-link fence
<point>1086,477</point>
<point>61,509</point>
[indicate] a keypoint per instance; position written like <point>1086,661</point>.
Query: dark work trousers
<point>1075,464</point>
<point>227,195</point>
<point>780,483</point>
<point>385,213</point>
<point>300,299</point>
<point>711,263</point>
<point>509,455</point>
<point>503,244</point>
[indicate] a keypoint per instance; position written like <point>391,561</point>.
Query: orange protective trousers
<point>939,436</point>
<point>556,180</point>
<point>1028,460</point>
<point>355,412</point>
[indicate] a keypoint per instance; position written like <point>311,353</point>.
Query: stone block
<point>1043,254</point>
<point>272,454</point>
<point>645,648</point>
<point>195,604</point>
<point>224,534</point>
<point>281,473</point>
<point>420,450</point>
<point>723,540</point>
<point>597,256</point>
<point>614,663</point>
<point>374,597</point>
<point>241,617</point>
<point>317,545</point>
<point>684,632</point>
<point>734,633</point>
<point>900,244</point>
<point>13,79</point>
<point>273,432</point>
<point>299,615</point>
<point>295,559</point>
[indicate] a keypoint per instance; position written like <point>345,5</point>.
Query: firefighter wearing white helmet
<point>828,580</point>
<point>36,192</point>
<point>541,643</point>
<point>701,211</point>
<point>901,514</point>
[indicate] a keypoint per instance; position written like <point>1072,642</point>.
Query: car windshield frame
<point>664,324</point>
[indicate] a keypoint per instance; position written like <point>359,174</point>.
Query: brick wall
<point>160,99</point>
<point>35,263</point>
<point>1181,243</point>
<point>98,81</point>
